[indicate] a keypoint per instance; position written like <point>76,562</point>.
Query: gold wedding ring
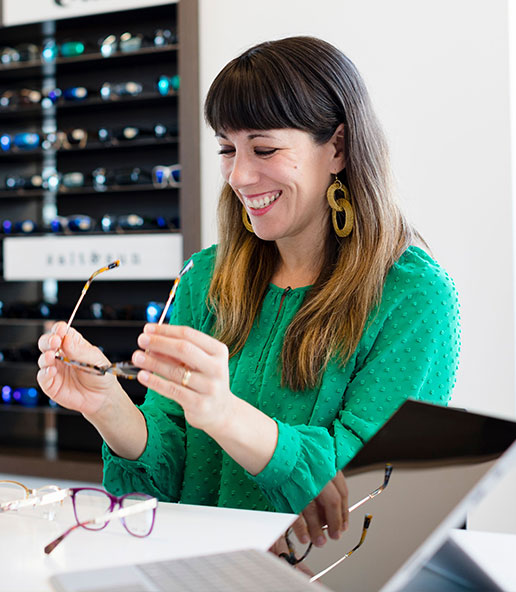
<point>186,377</point>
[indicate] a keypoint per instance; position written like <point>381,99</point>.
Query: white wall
<point>438,73</point>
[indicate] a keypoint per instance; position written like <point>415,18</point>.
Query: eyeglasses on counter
<point>93,508</point>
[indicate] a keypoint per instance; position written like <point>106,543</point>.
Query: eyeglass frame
<point>151,503</point>
<point>125,370</point>
<point>31,496</point>
<point>291,557</point>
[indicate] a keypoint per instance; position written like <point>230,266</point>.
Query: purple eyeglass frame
<point>115,501</point>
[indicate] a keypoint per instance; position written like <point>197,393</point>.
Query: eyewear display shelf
<point>111,118</point>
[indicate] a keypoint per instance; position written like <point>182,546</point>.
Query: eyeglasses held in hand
<point>15,495</point>
<point>125,370</point>
<point>294,559</point>
<point>95,508</point>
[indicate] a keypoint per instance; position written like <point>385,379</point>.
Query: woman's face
<point>281,177</point>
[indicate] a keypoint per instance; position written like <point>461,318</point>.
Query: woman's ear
<point>337,142</point>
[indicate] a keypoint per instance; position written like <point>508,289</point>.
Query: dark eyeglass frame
<point>125,370</point>
<point>291,556</point>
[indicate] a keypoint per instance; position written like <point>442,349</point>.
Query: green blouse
<point>409,348</point>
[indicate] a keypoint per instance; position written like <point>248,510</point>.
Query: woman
<point>295,338</point>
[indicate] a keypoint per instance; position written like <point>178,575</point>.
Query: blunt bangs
<point>262,89</point>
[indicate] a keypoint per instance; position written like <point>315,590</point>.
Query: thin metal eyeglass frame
<point>125,370</point>
<point>291,555</point>
<point>33,497</point>
<point>151,503</point>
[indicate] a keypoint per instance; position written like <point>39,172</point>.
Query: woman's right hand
<point>68,386</point>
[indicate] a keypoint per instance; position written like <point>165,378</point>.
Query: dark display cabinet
<point>99,137</point>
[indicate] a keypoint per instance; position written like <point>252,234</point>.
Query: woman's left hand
<point>189,367</point>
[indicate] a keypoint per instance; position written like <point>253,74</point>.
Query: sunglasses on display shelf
<point>163,37</point>
<point>23,141</point>
<point>166,176</point>
<point>114,223</point>
<point>293,558</point>
<point>65,140</point>
<point>168,85</point>
<point>22,96</point>
<point>68,49</point>
<point>72,224</point>
<point>120,369</point>
<point>114,90</point>
<point>25,52</point>
<point>19,227</point>
<point>19,182</point>
<point>132,132</point>
<point>125,43</point>
<point>22,396</point>
<point>103,179</point>
<point>70,94</point>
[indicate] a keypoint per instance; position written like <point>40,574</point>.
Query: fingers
<point>314,524</point>
<point>340,483</point>
<point>301,530</point>
<point>52,340</point>
<point>177,373</point>
<point>330,505</point>
<point>206,343</point>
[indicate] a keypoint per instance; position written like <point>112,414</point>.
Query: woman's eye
<point>265,151</point>
<point>226,150</point>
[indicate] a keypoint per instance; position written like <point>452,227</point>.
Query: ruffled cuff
<point>158,471</point>
<point>302,463</point>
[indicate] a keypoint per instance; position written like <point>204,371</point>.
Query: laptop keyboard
<point>238,571</point>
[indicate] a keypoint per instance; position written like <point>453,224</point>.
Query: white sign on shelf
<point>142,257</point>
<point>19,12</point>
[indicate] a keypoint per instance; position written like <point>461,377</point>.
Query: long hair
<point>307,84</point>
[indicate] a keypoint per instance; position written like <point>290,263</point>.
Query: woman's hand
<point>330,508</point>
<point>66,385</point>
<point>189,367</point>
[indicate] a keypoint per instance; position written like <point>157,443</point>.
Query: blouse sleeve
<point>410,349</point>
<point>159,470</point>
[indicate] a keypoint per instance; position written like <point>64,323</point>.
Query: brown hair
<point>307,84</point>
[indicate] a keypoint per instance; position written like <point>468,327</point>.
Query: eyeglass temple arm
<point>85,289</point>
<point>38,500</point>
<point>149,504</point>
<point>172,294</point>
<point>387,476</point>
<point>367,522</point>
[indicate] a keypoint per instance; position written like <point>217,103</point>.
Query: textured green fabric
<point>409,348</point>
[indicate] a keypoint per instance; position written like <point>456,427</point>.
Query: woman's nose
<point>242,172</point>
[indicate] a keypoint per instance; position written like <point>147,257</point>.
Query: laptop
<point>444,460</point>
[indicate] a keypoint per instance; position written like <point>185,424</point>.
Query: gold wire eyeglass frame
<point>125,370</point>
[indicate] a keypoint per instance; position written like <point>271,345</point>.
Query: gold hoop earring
<point>246,220</point>
<point>340,205</point>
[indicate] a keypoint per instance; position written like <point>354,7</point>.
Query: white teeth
<point>261,202</point>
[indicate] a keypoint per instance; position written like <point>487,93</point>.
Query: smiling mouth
<point>261,202</point>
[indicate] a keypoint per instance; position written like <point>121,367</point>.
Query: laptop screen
<point>443,463</point>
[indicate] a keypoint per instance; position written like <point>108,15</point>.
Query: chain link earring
<point>342,204</point>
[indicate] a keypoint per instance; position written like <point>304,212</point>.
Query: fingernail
<point>139,357</point>
<point>150,328</point>
<point>144,340</point>
<point>320,541</point>
<point>305,539</point>
<point>143,376</point>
